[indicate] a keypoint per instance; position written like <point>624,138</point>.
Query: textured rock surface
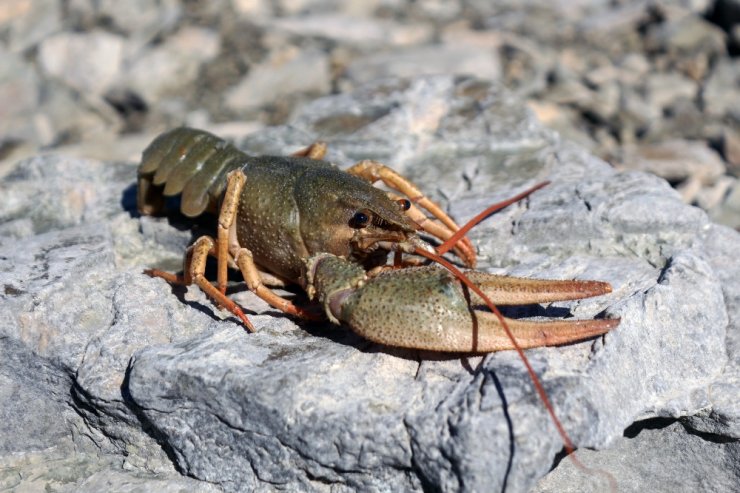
<point>148,383</point>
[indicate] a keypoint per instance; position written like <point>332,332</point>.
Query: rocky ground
<point>111,380</point>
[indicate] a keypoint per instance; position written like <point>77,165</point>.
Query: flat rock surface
<point>152,381</point>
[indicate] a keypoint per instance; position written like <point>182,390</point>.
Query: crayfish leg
<point>317,151</point>
<point>194,273</point>
<point>228,248</point>
<point>250,272</point>
<point>374,171</point>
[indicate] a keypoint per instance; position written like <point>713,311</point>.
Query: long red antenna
<point>452,240</point>
<point>537,384</point>
<point>569,448</point>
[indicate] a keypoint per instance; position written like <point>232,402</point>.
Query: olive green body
<point>310,223</point>
<point>289,209</point>
<point>292,208</point>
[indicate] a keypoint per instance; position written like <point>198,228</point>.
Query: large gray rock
<point>170,385</point>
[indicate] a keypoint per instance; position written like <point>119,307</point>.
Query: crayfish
<point>301,220</point>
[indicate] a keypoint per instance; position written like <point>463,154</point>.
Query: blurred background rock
<point>648,85</point>
<point>651,85</point>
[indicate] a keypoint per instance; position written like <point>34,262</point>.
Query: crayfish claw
<point>427,308</point>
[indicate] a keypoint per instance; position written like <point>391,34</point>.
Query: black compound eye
<point>405,204</point>
<point>360,219</point>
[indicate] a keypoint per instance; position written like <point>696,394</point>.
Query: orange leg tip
<point>612,323</point>
<point>247,324</point>
<point>167,276</point>
<point>309,315</point>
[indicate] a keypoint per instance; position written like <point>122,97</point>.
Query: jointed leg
<point>228,247</point>
<point>439,231</point>
<point>317,150</point>
<point>252,277</point>
<point>194,272</point>
<point>234,185</point>
<point>374,171</point>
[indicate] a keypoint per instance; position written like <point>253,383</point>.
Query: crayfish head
<point>376,232</point>
<point>348,217</point>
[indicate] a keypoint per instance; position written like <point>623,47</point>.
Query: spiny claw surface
<point>426,308</point>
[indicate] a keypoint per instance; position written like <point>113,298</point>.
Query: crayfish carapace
<point>301,220</point>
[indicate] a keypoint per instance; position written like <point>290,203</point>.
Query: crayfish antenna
<point>567,442</point>
<point>460,233</point>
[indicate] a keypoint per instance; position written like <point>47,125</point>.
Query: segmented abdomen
<point>188,161</point>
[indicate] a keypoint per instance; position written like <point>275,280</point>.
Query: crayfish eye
<point>405,204</point>
<point>360,219</point>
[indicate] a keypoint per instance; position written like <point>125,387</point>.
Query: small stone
<point>25,23</point>
<point>614,29</point>
<point>19,97</point>
<point>677,160</point>
<point>682,117</point>
<point>711,196</point>
<point>730,148</point>
<point>353,30</point>
<point>663,89</point>
<point>721,94</point>
<point>564,120</point>
<point>138,19</point>
<point>636,114</point>
<point>173,66</point>
<point>254,9</point>
<point>89,62</point>
<point>633,68</point>
<point>728,211</point>
<point>286,73</point>
<point>687,35</point>
<point>441,59</point>
<point>602,75</point>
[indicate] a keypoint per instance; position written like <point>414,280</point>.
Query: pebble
<point>286,73</point>
<point>353,30</point>
<point>18,97</point>
<point>677,161</point>
<point>26,23</point>
<point>426,60</point>
<point>88,62</point>
<point>721,94</point>
<point>730,146</point>
<point>728,212</point>
<point>172,67</point>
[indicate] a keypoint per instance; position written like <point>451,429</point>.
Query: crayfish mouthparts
<point>410,245</point>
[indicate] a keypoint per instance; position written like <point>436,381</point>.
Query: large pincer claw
<point>427,307</point>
